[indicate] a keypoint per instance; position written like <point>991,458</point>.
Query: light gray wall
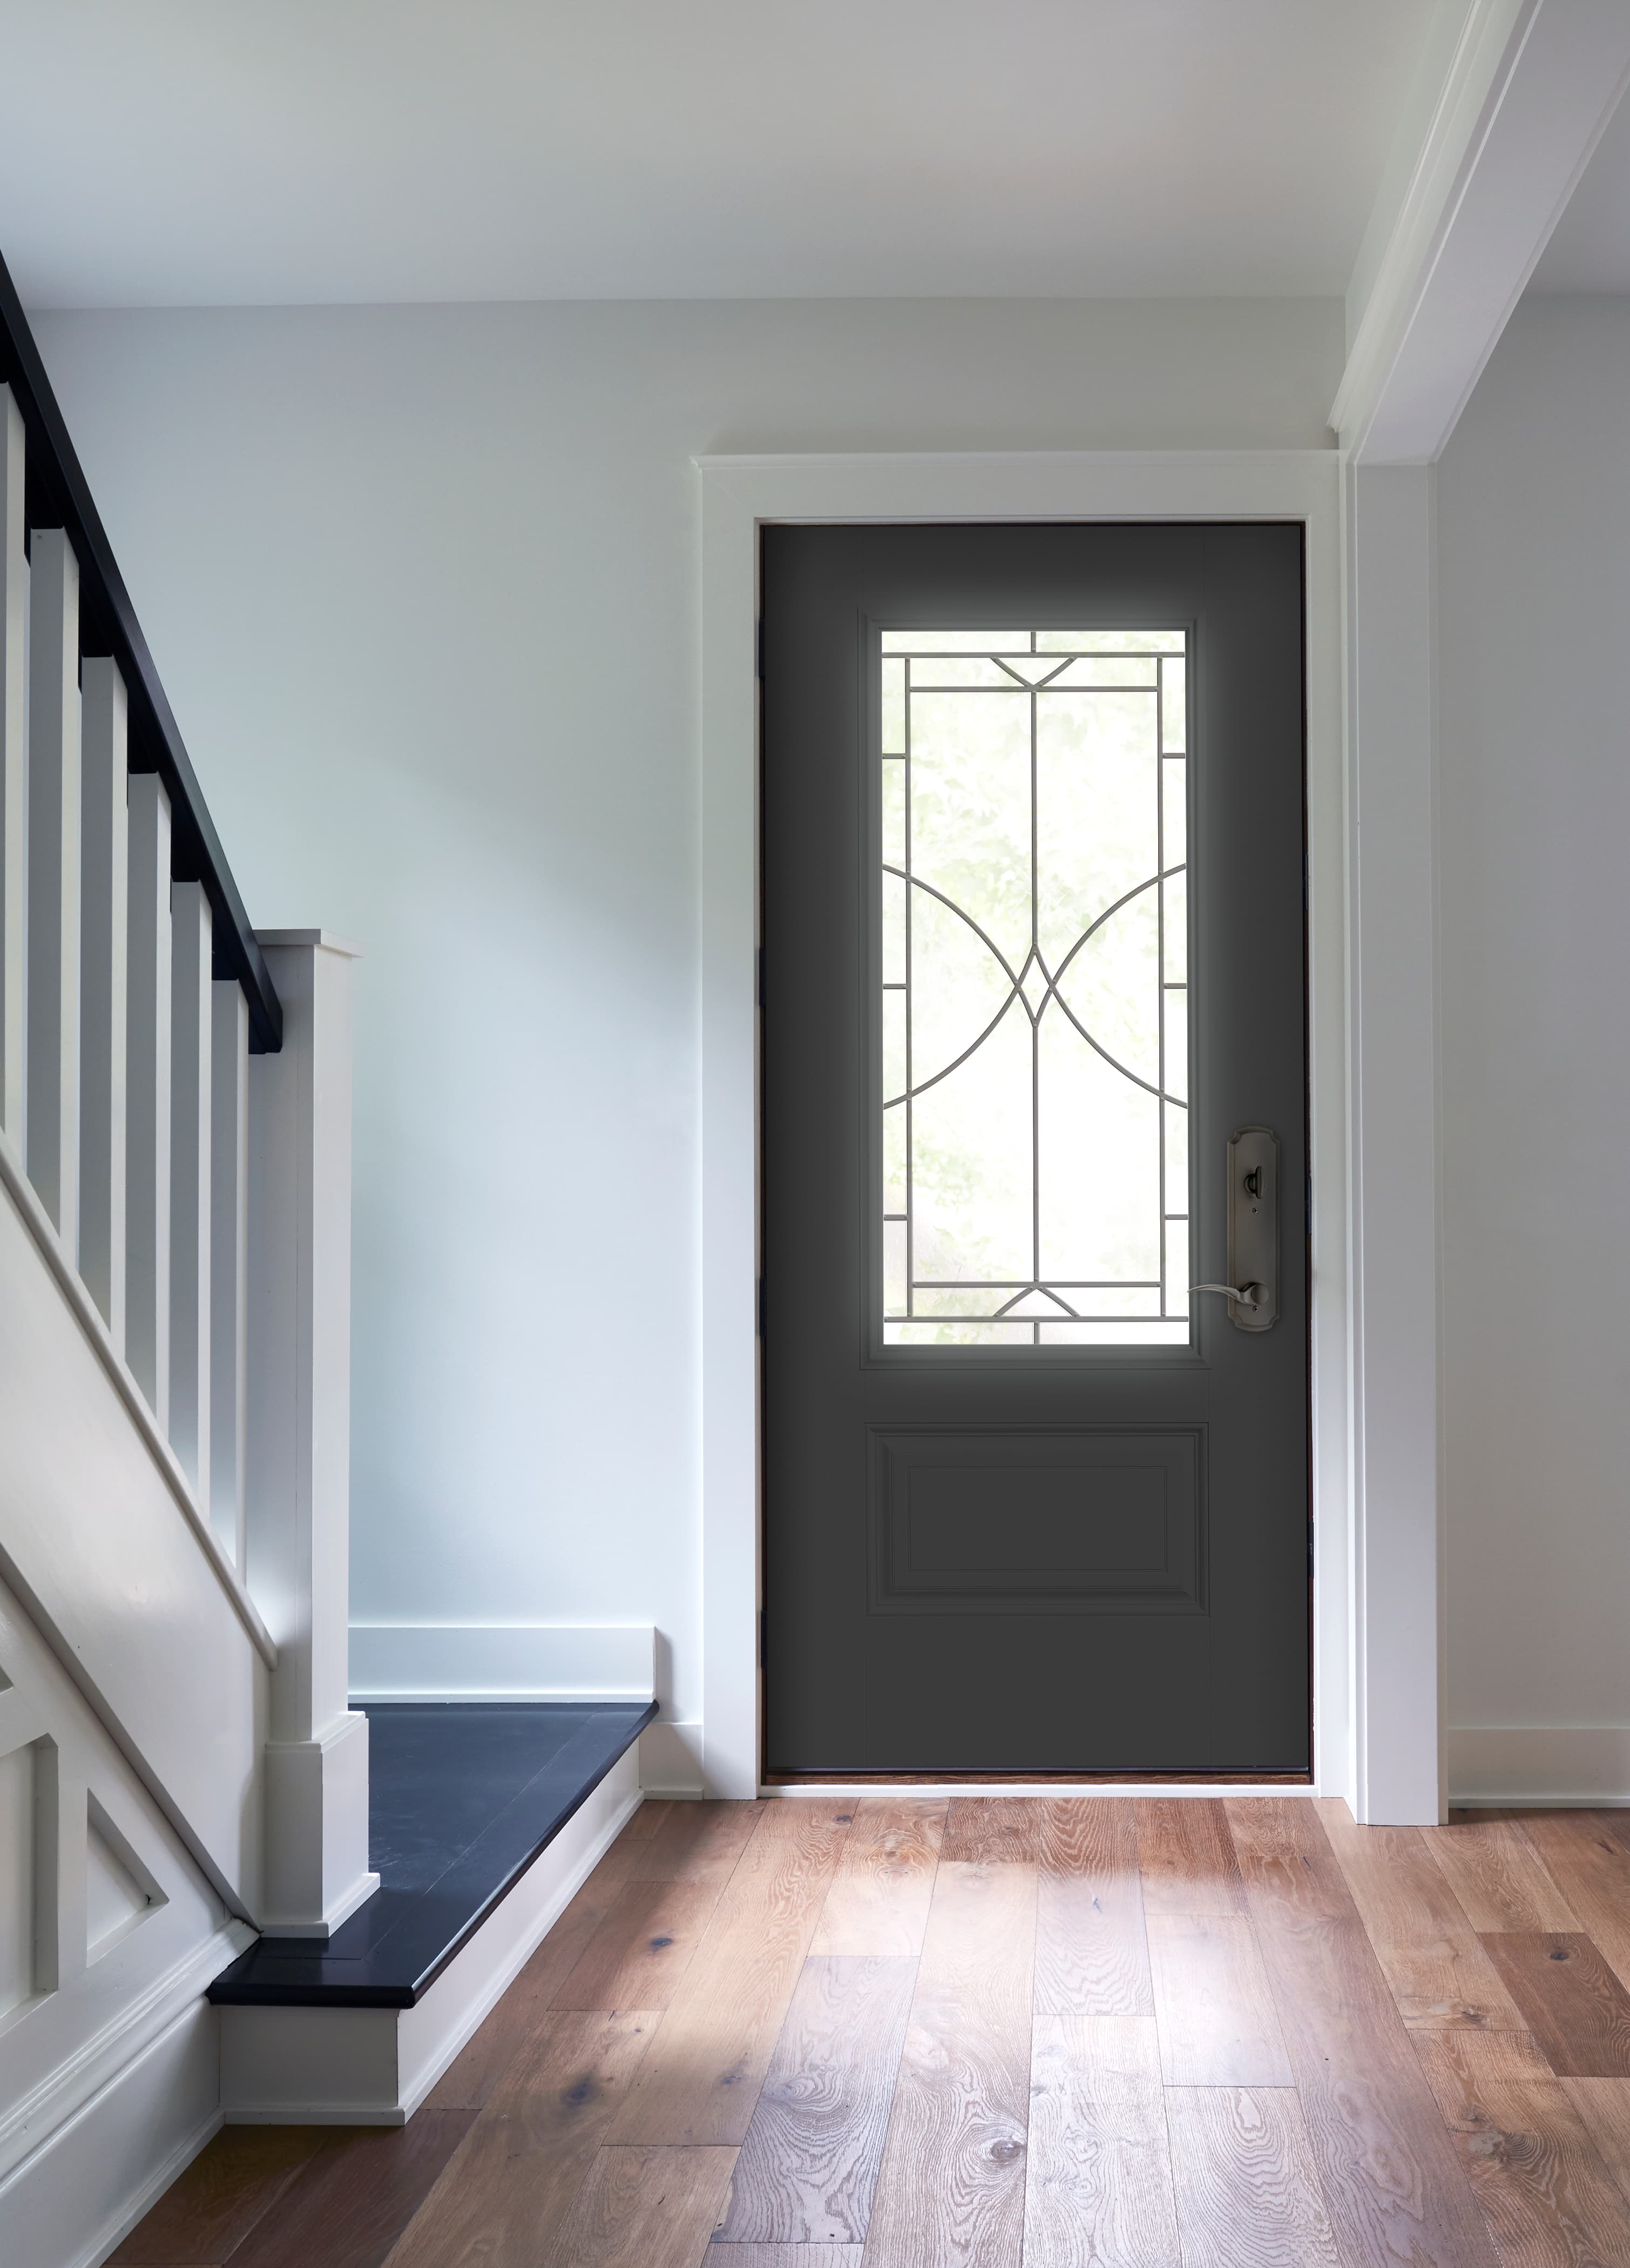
<point>1533,519</point>
<point>422,586</point>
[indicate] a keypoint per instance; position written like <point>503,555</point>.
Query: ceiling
<point>185,152</point>
<point>1590,250</point>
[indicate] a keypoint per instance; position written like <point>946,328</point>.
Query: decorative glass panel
<point>1035,944</point>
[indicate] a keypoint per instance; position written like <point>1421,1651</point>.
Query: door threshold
<point>1020,1782</point>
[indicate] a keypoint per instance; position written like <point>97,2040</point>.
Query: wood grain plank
<point>641,1950</point>
<point>1212,2004</point>
<point>647,1819</point>
<point>1587,1856</point>
<point>1498,1876</point>
<point>1513,2055</point>
<point>1528,2155</point>
<point>643,2207</point>
<point>1097,2192</point>
<point>1392,2183</point>
<point>787,2255</point>
<point>523,2011</point>
<point>880,1898</point>
<point>789,1813</point>
<point>1092,1956</point>
<point>985,1830</point>
<point>1604,2106</point>
<point>809,2166</point>
<point>1285,1856</point>
<point>1247,2193</point>
<point>694,1843</point>
<point>1185,1857</point>
<point>528,2153</point>
<point>1576,2009</point>
<point>1431,1956</point>
<point>951,2189</point>
<point>207,2213</point>
<point>348,2205</point>
<point>701,2073</point>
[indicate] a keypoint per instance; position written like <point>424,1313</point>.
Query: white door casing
<point>739,494</point>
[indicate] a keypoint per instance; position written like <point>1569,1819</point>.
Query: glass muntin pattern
<point>1034,983</point>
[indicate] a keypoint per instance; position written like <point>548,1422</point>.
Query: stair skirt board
<point>81,2192</point>
<point>339,2066</point>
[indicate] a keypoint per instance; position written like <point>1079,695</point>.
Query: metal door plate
<point>1254,1226</point>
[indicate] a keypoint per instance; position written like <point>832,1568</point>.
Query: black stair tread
<point>463,1797</point>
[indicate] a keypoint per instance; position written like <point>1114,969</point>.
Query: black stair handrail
<point>59,496</point>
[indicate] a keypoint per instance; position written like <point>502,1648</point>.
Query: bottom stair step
<point>483,1819</point>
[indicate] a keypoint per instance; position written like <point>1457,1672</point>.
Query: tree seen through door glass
<point>1034,987</point>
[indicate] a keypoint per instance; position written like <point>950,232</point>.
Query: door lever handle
<point>1249,1295</point>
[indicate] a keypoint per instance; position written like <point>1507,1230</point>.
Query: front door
<point>1033,958</point>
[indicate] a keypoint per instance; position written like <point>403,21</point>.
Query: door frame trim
<point>739,494</point>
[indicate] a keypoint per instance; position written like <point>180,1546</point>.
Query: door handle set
<point>1253,1290</point>
<point>1249,1295</point>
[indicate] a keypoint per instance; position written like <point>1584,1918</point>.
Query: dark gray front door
<point>1034,952</point>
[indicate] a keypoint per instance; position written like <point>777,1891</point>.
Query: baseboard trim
<point>1547,1767</point>
<point>30,2124</point>
<point>671,1759</point>
<point>137,2208</point>
<point>108,2162</point>
<point>502,1662</point>
<point>630,1697</point>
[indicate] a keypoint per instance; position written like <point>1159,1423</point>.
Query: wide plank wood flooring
<point>1004,2032</point>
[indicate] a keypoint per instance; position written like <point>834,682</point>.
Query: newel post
<point>297,1449</point>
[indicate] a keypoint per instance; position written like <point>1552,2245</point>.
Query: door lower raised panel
<point>967,1521</point>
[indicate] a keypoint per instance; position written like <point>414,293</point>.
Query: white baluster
<point>229,1252</point>
<point>192,1018</point>
<point>13,770</point>
<point>53,1072</point>
<point>104,932</point>
<point>147,1086</point>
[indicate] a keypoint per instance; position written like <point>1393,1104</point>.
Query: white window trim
<point>738,495</point>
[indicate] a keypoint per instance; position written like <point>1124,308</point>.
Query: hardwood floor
<point>1095,2032</point>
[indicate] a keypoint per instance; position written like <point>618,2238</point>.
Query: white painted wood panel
<point>147,1149</point>
<point>297,1479</point>
<point>99,1528</point>
<point>17,1876</point>
<point>192,1026</point>
<point>1531,88</point>
<point>13,768</point>
<point>118,1891</point>
<point>69,2202</point>
<point>137,1933</point>
<point>229,1262</point>
<point>1393,1187</point>
<point>53,971</point>
<point>105,877</point>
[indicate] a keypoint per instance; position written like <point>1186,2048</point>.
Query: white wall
<point>421,584</point>
<point>1534,610</point>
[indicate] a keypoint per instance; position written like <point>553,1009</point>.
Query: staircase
<point>191,1930</point>
<point>180,1773</point>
